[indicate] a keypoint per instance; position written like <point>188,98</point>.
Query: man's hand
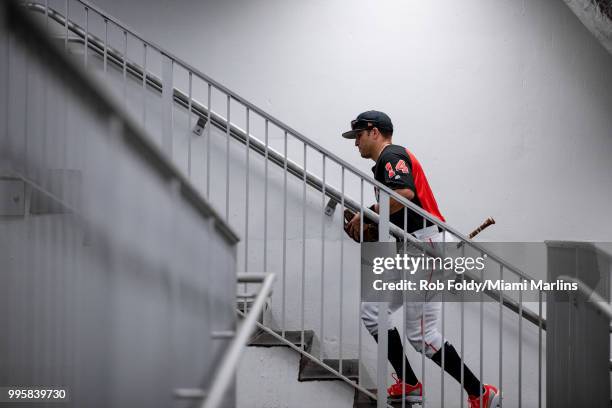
<point>353,227</point>
<point>352,223</point>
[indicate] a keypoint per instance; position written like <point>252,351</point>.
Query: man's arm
<point>394,205</point>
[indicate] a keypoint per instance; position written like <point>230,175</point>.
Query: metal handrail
<point>231,357</point>
<point>589,293</point>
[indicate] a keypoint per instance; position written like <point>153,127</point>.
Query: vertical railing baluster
<point>423,338</point>
<point>66,6</point>
<point>284,271</point>
<point>208,136</point>
<point>86,42</point>
<point>481,333</point>
<point>105,47</point>
<point>125,50</point>
<point>359,341</point>
<point>423,380</point>
<point>404,312</point>
<point>189,113</point>
<point>303,283</point>
<point>144,85</point>
<point>227,158</point>
<point>520,349</point>
<point>265,248</point>
<point>383,307</point>
<point>167,102</point>
<point>539,349</point>
<point>341,290</point>
<point>501,336</point>
<point>462,332</point>
<point>442,352</point>
<point>246,199</point>
<point>322,290</point>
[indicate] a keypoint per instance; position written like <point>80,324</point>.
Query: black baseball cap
<point>368,120</point>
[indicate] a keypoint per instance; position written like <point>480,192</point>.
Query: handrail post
<point>383,307</point>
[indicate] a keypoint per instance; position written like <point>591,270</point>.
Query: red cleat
<point>490,398</point>
<point>414,393</point>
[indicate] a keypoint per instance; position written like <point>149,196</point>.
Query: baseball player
<point>397,168</point>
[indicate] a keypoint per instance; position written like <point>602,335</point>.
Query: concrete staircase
<point>308,370</point>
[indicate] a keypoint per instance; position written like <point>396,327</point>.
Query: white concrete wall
<point>505,103</point>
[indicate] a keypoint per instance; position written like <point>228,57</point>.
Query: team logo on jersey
<point>400,167</point>
<point>389,169</point>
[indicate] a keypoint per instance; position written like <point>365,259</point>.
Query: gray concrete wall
<point>112,282</point>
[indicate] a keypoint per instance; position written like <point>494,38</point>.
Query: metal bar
<point>341,287</point>
<point>86,47</point>
<point>106,46</point>
<point>404,315</point>
<point>208,130</point>
<point>144,88</point>
<point>501,338</point>
<point>227,160</point>
<point>359,377</point>
<point>67,18</point>
<point>322,288</point>
<point>265,248</point>
<point>443,339</point>
<point>229,362</point>
<point>125,58</point>
<point>383,307</point>
<point>251,277</point>
<point>285,227</point>
<point>481,358</point>
<point>189,126</point>
<point>520,350</point>
<point>596,300</point>
<point>303,284</point>
<point>246,193</point>
<point>381,367</point>
<point>462,333</point>
<point>540,350</point>
<point>167,106</point>
<point>423,381</point>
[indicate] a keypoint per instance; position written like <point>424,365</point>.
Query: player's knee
<point>430,343</point>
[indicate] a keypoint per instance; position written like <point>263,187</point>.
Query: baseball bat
<point>489,221</point>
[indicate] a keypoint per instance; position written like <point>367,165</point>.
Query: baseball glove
<point>370,231</point>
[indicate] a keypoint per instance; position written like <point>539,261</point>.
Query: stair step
<point>363,401</point>
<point>311,371</point>
<point>264,339</point>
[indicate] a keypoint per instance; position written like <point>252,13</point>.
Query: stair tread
<point>363,401</point>
<point>311,371</point>
<point>264,339</point>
